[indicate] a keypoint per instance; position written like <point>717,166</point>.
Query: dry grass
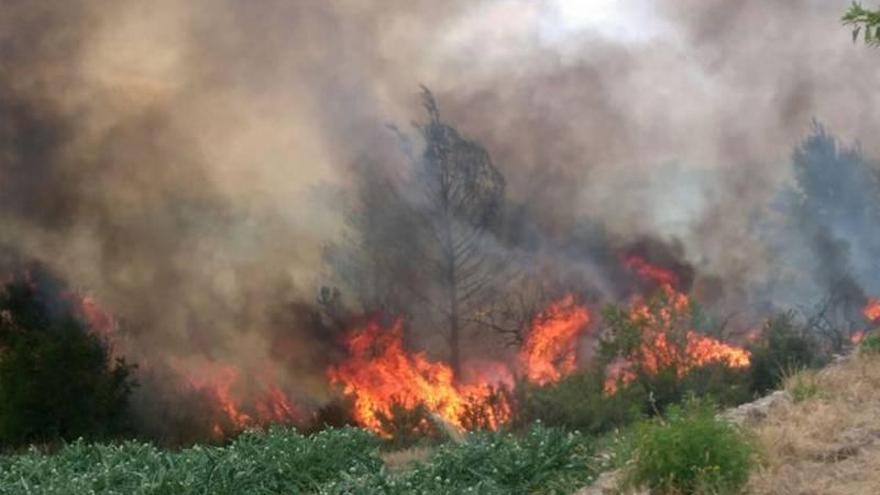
<point>827,441</point>
<point>399,460</point>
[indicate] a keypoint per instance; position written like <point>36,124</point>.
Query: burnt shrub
<point>57,378</point>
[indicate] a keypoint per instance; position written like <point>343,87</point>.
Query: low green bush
<point>277,461</point>
<point>870,344</point>
<point>689,451</point>
<point>782,346</point>
<point>578,402</point>
<point>334,461</point>
<point>540,461</point>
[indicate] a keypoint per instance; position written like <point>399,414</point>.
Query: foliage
<point>863,21</point>
<point>690,451</point>
<point>782,346</point>
<point>578,402</point>
<point>57,380</point>
<point>673,379</point>
<point>277,461</point>
<point>870,344</point>
<point>543,460</point>
<point>334,461</point>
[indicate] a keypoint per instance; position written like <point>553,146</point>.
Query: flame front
<point>872,310</point>
<point>381,373</point>
<point>550,349</point>
<point>661,349</point>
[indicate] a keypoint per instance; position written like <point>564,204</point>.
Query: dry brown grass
<point>399,460</point>
<point>827,441</point>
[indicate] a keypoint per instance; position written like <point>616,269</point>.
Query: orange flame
<point>380,373</point>
<point>647,271</point>
<point>550,349</point>
<point>660,349</point>
<point>236,409</point>
<point>872,310</point>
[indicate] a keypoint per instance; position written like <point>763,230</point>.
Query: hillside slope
<point>826,438</point>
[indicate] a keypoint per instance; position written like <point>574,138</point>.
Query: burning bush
<point>57,380</point>
<point>654,342</point>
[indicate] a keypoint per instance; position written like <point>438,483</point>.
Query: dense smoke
<point>185,162</point>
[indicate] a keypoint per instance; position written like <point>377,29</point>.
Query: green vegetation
<point>783,347</point>
<point>542,460</point>
<point>57,380</point>
<point>689,451</point>
<point>870,344</point>
<point>863,21</point>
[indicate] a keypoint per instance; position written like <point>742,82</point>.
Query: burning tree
<point>463,198</point>
<point>421,244</point>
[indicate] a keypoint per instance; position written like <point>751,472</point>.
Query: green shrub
<point>57,380</point>
<point>782,346</point>
<point>870,344</point>
<point>579,402</point>
<point>690,451</point>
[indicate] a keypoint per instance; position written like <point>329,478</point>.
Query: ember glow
<point>550,348</point>
<point>872,310</point>
<point>663,347</point>
<point>380,373</point>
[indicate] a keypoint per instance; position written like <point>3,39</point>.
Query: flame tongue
<point>550,349</point>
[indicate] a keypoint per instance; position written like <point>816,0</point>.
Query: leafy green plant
<point>333,461</point>
<point>540,461</point>
<point>578,402</point>
<point>783,347</point>
<point>863,21</point>
<point>277,461</point>
<point>870,344</point>
<point>689,451</point>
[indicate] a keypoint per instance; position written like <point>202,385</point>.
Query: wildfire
<point>550,348</point>
<point>665,347</point>
<point>235,408</point>
<point>872,310</point>
<point>381,373</point>
<point>647,271</point>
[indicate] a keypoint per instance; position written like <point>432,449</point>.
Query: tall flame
<point>550,348</point>
<point>380,373</point>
